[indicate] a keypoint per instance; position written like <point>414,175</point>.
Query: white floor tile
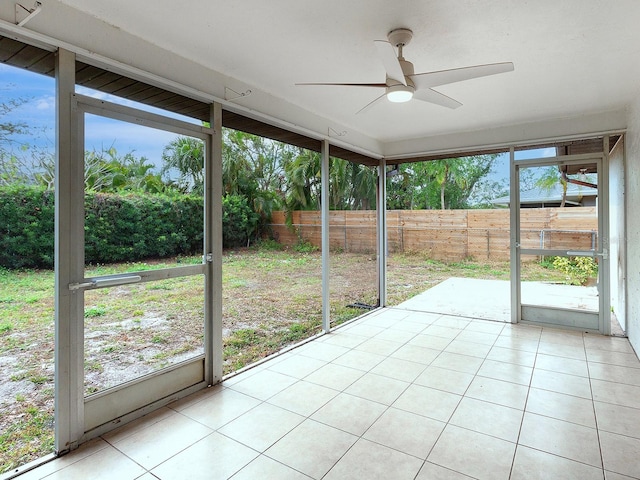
<point>153,445</point>
<point>399,369</point>
<point>322,351</point>
<point>508,372</point>
<point>262,427</point>
<point>615,373</point>
<point>442,329</point>
<point>497,391</point>
<point>213,457</point>
<point>468,348</point>
<point>477,455</point>
<point>561,383</point>
<point>445,379</point>
<point>509,355</point>
<point>359,360</point>
<point>617,393</point>
<point>369,460</point>
<point>531,464</point>
<point>477,337</point>
<point>557,437</point>
<point>377,388</point>
<point>395,335</point>
<point>430,341</point>
<point>495,328</point>
<point>312,448</point>
<point>562,407</point>
<point>265,467</point>
<point>613,358</point>
<point>618,419</point>
<point>264,384</point>
<point>457,362</point>
<point>416,354</point>
<point>431,471</point>
<point>351,414</point>
<point>562,365</point>
<point>406,432</point>
<point>527,344</point>
<point>616,476</point>
<point>488,418</point>
<point>303,398</point>
<point>429,402</point>
<point>298,366</point>
<point>610,344</point>
<point>379,346</point>
<point>106,464</point>
<point>219,409</point>
<point>342,338</point>
<point>334,376</point>
<point>562,350</point>
<point>620,454</point>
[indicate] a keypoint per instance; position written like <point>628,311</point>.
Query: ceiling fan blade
<point>444,77</point>
<point>371,104</point>
<point>377,85</point>
<point>391,63</point>
<point>431,96</point>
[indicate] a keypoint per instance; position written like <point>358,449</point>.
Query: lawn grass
<point>271,298</point>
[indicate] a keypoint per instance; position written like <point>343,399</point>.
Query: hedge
<point>118,227</point>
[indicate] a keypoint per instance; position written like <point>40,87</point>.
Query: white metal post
<point>604,247</point>
<point>324,214</point>
<point>69,260</point>
<point>213,250</point>
<point>382,233</point>
<point>514,236</point>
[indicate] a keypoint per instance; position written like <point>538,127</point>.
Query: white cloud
<point>46,103</point>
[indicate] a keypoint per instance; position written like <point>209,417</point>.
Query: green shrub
<point>26,227</point>
<point>576,269</point>
<point>118,227</point>
<point>239,221</point>
<point>136,226</point>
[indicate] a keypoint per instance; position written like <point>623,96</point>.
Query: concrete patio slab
<point>491,299</point>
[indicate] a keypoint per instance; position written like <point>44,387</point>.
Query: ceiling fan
<point>402,84</point>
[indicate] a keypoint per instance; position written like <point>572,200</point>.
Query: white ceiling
<point>572,58</point>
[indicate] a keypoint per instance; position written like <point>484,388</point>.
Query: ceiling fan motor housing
<point>400,36</point>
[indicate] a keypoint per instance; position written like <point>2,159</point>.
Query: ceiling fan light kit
<point>400,93</point>
<point>403,85</point>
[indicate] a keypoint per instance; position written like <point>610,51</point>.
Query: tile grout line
<point>524,410</point>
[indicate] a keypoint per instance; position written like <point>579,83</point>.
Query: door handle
<point>583,253</point>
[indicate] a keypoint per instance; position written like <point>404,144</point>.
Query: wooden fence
<point>445,234</point>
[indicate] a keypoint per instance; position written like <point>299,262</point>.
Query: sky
<point>38,112</point>
<point>102,133</point>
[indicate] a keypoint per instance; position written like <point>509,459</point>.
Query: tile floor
<point>396,395</point>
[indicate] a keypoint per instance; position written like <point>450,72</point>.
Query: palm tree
<point>186,155</point>
<point>549,179</point>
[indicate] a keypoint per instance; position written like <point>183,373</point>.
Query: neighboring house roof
<point>575,195</point>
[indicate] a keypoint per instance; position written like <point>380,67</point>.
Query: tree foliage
<point>438,184</point>
<point>186,156</point>
<point>551,177</point>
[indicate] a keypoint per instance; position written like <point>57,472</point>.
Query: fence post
<point>401,231</point>
<point>346,245</point>
<point>488,244</point>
